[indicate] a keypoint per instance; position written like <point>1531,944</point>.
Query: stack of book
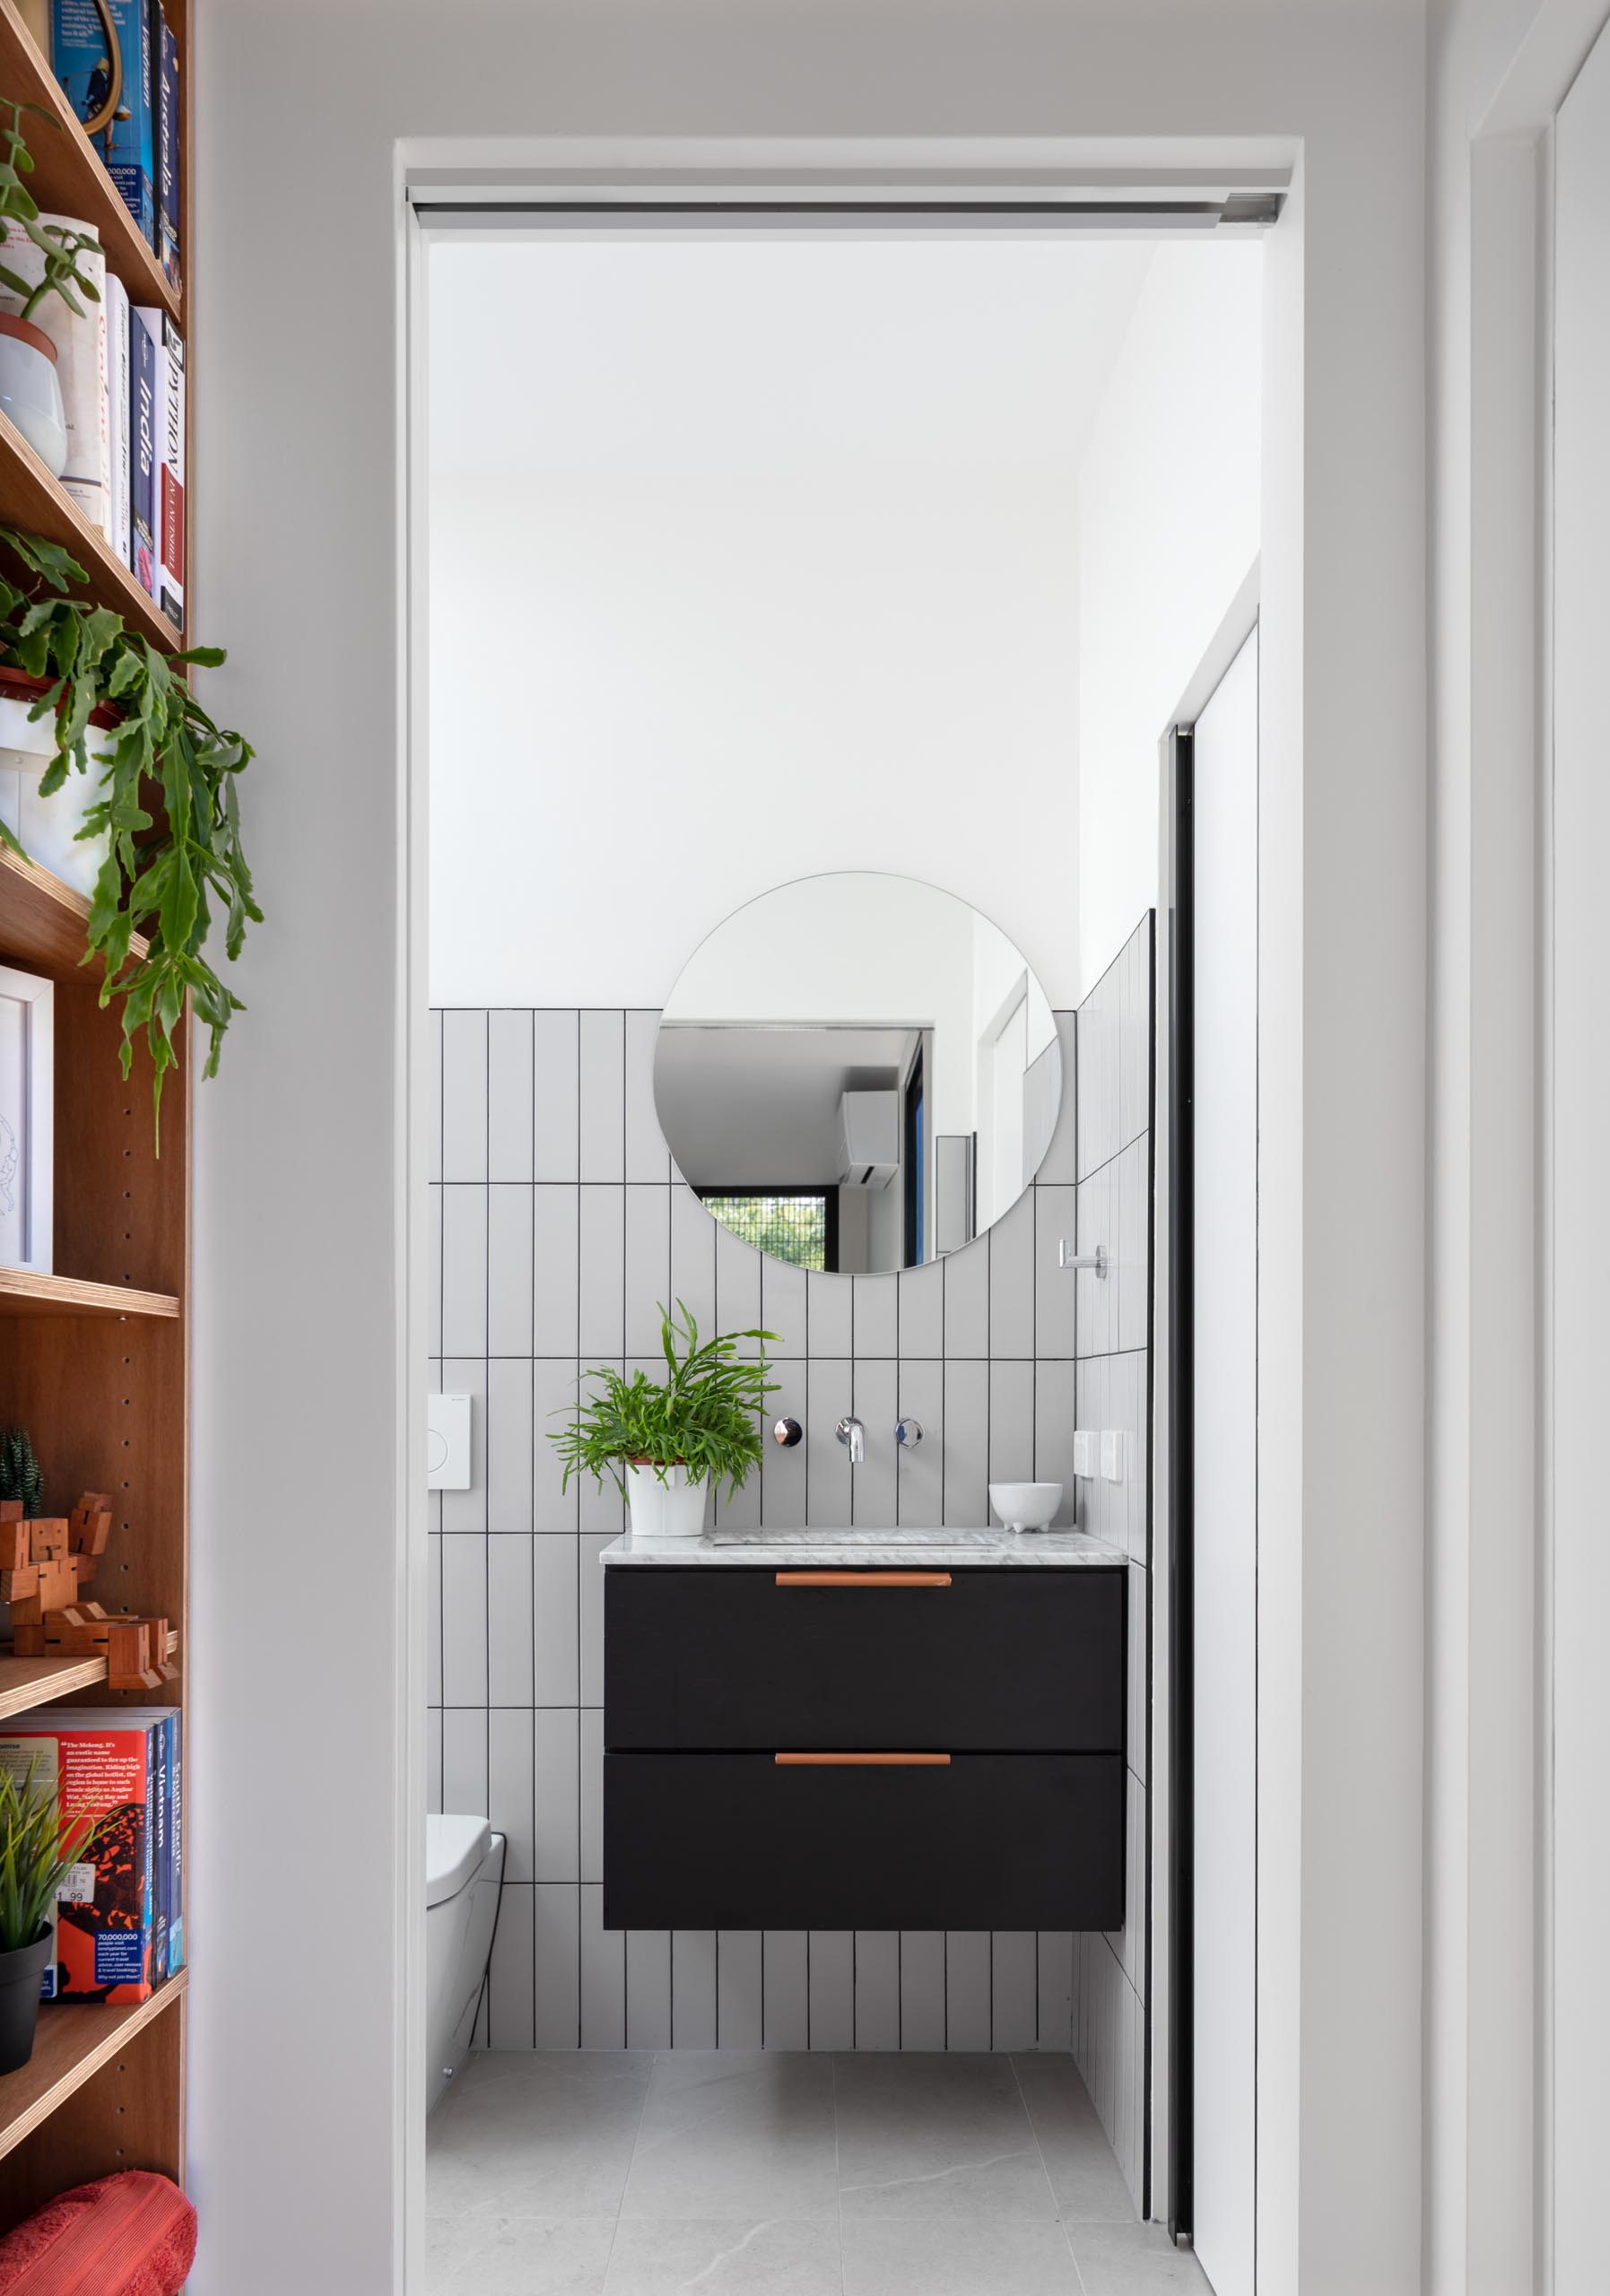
<point>120,1912</point>
<point>125,89</point>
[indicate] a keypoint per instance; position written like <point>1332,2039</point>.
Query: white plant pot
<point>30,392</point>
<point>46,827</point>
<point>671,1508</point>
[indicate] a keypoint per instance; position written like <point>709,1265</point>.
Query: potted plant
<point>51,253</point>
<point>668,1444</point>
<point>37,1845</point>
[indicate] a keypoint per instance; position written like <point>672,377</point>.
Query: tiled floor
<point>778,2175</point>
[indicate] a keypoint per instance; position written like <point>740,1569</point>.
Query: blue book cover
<point>161,1828</point>
<point>96,73</point>
<point>165,61</point>
<point>143,453</point>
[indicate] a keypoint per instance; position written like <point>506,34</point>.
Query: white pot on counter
<point>30,392</point>
<point>665,1505</point>
<point>46,827</point>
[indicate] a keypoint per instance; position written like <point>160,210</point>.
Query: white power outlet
<point>1112,1454</point>
<point>448,1442</point>
<point>1085,1453</point>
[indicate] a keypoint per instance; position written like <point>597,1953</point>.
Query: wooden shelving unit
<point>94,1357</point>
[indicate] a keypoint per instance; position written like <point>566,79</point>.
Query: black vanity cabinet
<point>864,1748</point>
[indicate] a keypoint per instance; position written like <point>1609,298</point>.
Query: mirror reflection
<point>857,1073</point>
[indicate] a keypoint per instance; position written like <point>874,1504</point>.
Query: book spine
<point>117,414</point>
<point>144,327</point>
<point>165,53</point>
<point>157,1741</point>
<point>176,1842</point>
<point>170,441</point>
<point>154,1770</point>
<point>126,141</point>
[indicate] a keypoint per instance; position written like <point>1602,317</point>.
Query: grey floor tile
<point>782,2256</point>
<point>492,2255</point>
<point>956,2259</point>
<point>1134,2260</point>
<point>738,2136</point>
<point>528,2133</point>
<point>936,2137</point>
<point>1086,2178</point>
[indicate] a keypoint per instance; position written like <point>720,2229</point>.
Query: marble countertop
<point>840,1550</point>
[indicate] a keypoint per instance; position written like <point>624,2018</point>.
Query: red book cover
<point>105,1912</point>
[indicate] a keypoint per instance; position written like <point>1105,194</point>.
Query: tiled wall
<point>559,1226</point>
<point>1114,1325</point>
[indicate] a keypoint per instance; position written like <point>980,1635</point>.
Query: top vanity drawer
<point>1015,1661</point>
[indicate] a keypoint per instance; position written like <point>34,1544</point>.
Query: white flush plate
<point>448,1442</point>
<point>1084,1452</point>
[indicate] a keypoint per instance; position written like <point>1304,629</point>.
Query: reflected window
<point>801,1226</point>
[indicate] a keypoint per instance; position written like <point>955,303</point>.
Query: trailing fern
<point>703,1418</point>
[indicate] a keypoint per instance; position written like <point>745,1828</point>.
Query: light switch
<point>1112,1454</point>
<point>448,1442</point>
<point>1084,1452</point>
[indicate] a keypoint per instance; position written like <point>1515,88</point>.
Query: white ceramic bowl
<point>1026,1506</point>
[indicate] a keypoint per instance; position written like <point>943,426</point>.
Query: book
<point>176,1849</point>
<point>168,492</point>
<point>94,72</point>
<point>105,1766</point>
<point>143,453</point>
<point>81,364</point>
<point>164,57</point>
<point>117,414</point>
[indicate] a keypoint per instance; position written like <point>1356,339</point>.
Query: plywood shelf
<point>74,2041</point>
<point>25,1682</point>
<point>21,1294</point>
<point>44,923</point>
<point>69,176</point>
<point>32,500</point>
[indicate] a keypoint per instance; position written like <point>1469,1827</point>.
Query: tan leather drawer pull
<point>928,1761</point>
<point>862,1578</point>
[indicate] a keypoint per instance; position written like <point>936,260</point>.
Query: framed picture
<point>27,1118</point>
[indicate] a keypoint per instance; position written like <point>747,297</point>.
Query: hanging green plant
<point>60,245</point>
<point>169,870</point>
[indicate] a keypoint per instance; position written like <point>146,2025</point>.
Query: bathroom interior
<point>842,773</point>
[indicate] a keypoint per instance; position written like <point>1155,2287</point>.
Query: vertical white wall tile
<point>967,1284</point>
<point>830,1303</point>
<point>1055,1422</point>
<point>783,1306</point>
<point>966,1442</point>
<point>921,1300</point>
<point>1011,1283</point>
<point>1061,1161</point>
<point>831,1961</point>
<point>648,1265</point>
<point>1135,1270</point>
<point>1013,1982</point>
<point>647,1158</point>
<point>739,1986</point>
<point>602,1977</point>
<point>556,1041</point>
<point>433,1219</point>
<point>922,1988</point>
<point>464,1619</point>
<point>876,1300</point>
<point>737,1288</point>
<point>509,1620</point>
<point>551,1620</point>
<point>433,1759</point>
<point>591,1546</point>
<point>875,1496</point>
<point>463,1270</point>
<point>433,1625</point>
<point>693,1989</point>
<point>558,2008</point>
<point>1135,1053</point>
<point>921,1472</point>
<point>434,1089</point>
<point>1011,1422</point>
<point>555,1269</point>
<point>647,1988</point>
<point>510,1990</point>
<point>510,1270</point>
<point>463,1096</point>
<point>1056,1960</point>
<point>508,1786</point>
<point>592,1796</point>
<point>693,1257</point>
<point>554,1401</point>
<point>783,1470</point>
<point>786,2006</point>
<point>602,1096</point>
<point>877,1989</point>
<point>464,1760</point>
<point>510,1096</point>
<point>508,1443</point>
<point>603,1317</point>
<point>1056,1288</point>
<point>967,1990</point>
<point>466,1510</point>
<point>1095,1297</point>
<point>556,1792</point>
<point>600,1506</point>
<point>1129,1943</point>
<point>828,1470</point>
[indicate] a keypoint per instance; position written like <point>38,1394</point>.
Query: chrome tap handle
<point>907,1433</point>
<point>853,1434</point>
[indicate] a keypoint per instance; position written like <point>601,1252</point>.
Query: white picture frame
<point>27,1119</point>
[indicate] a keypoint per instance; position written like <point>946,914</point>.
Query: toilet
<point>463,1873</point>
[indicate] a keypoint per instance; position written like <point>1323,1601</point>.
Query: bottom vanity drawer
<point>753,1842</point>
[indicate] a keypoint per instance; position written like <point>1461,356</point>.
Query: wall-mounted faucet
<point>853,1435</point>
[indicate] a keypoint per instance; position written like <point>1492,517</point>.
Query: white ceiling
<point>743,1107</point>
<point>772,358</point>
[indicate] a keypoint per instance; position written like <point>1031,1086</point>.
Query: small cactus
<point>21,1475</point>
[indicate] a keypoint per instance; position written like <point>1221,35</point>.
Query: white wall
<point>1168,531</point>
<point>294,2082</point>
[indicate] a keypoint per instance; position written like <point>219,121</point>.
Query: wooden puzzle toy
<point>45,1563</point>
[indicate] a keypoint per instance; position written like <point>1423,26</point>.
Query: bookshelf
<point>94,1358</point>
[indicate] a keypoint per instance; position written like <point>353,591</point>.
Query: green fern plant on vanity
<point>667,1444</point>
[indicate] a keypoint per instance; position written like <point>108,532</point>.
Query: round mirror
<point>857,1073</point>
